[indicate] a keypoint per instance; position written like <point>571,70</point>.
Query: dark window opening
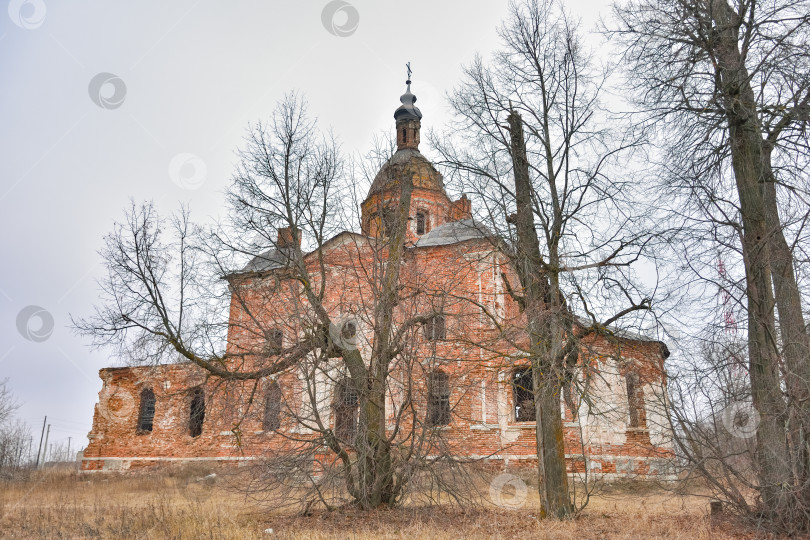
<point>421,223</point>
<point>389,219</point>
<point>272,407</point>
<point>438,412</point>
<point>435,328</point>
<point>404,135</point>
<point>523,395</point>
<point>146,412</point>
<point>634,400</point>
<point>196,413</point>
<point>346,407</point>
<point>275,341</point>
<point>349,330</point>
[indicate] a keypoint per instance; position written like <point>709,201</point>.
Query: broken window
<point>635,400</point>
<point>421,222</point>
<point>272,407</point>
<point>389,221</point>
<point>146,412</point>
<point>438,410</point>
<point>435,328</point>
<point>196,412</point>
<point>346,405</point>
<point>523,395</point>
<point>275,341</point>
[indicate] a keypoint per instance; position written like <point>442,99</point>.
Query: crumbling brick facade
<point>470,381</point>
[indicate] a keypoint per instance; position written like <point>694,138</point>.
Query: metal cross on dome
<point>408,65</point>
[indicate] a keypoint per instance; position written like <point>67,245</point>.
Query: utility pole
<point>67,458</point>
<point>40,441</point>
<point>47,434</point>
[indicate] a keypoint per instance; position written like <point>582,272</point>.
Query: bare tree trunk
<point>793,332</point>
<point>747,163</point>
<point>376,467</point>
<point>545,333</point>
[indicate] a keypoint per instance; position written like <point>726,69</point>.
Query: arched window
<point>272,407</point>
<point>421,222</point>
<point>438,410</point>
<point>196,415</point>
<point>435,328</point>
<point>346,405</point>
<point>146,411</point>
<point>275,341</point>
<point>523,395</point>
<point>404,135</point>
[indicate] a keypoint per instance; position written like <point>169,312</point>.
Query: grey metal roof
<point>624,333</point>
<point>453,233</point>
<point>269,260</point>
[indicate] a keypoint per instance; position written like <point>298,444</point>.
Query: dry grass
<point>63,504</point>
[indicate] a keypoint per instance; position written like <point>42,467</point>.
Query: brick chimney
<point>288,237</point>
<point>462,208</point>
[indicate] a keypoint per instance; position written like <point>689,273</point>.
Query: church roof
<point>269,260</point>
<point>453,233</point>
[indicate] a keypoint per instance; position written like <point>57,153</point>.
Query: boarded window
<point>346,405</point>
<point>275,341</point>
<point>435,328</point>
<point>634,399</point>
<point>146,411</point>
<point>196,415</point>
<point>523,394</point>
<point>438,411</point>
<point>421,223</point>
<point>272,407</point>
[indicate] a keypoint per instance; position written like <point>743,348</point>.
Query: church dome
<point>407,161</point>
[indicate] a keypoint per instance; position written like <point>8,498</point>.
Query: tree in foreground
<point>534,145</point>
<point>728,84</point>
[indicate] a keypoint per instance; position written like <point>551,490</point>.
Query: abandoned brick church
<point>456,375</point>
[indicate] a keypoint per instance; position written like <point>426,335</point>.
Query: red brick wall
<point>474,351</point>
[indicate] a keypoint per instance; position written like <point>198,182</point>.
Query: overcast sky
<point>101,102</point>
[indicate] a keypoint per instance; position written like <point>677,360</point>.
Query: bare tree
<point>289,319</point>
<point>14,434</point>
<point>729,85</point>
<point>7,402</point>
<point>534,144</point>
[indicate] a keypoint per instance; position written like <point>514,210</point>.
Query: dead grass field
<point>64,504</point>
